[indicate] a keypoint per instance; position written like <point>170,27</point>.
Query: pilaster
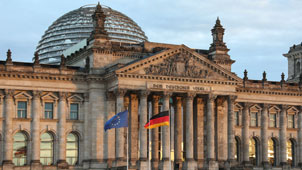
<point>36,111</point>
<point>264,137</point>
<point>8,129</point>
<point>300,137</point>
<point>62,164</point>
<point>283,123</point>
<point>133,130</point>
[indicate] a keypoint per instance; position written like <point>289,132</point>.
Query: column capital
<point>212,97</point>
<point>232,98</point>
<point>190,96</point>
<point>37,94</point>
<point>144,93</point>
<point>265,106</point>
<point>9,93</point>
<point>167,94</point>
<point>284,107</point>
<point>63,95</point>
<point>120,92</point>
<point>247,105</point>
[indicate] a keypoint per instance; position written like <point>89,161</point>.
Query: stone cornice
<point>268,92</point>
<point>179,79</point>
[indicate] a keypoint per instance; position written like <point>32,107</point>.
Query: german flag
<point>161,119</point>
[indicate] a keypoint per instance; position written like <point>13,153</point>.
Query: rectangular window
<point>254,121</point>
<point>290,121</point>
<point>48,111</point>
<point>236,118</point>
<point>22,109</point>
<point>74,111</point>
<point>272,120</point>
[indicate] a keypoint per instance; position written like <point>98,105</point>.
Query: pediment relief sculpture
<point>179,65</point>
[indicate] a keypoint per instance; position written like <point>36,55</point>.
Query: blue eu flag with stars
<point>117,121</point>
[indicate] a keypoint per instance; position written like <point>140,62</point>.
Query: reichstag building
<point>94,62</point>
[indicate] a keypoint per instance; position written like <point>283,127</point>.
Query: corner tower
<point>218,51</point>
<point>294,60</point>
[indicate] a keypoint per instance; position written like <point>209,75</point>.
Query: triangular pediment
<point>179,62</point>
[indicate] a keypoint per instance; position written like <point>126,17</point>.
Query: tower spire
<point>99,23</point>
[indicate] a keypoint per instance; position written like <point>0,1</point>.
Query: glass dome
<point>77,25</point>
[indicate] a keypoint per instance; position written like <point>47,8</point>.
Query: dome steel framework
<point>77,25</point>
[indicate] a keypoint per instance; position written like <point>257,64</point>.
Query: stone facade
<point>218,120</point>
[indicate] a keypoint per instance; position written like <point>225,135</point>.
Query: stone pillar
<point>8,130</point>
<point>165,164</point>
<point>61,131</point>
<point>245,133</point>
<point>87,131</point>
<point>36,112</point>
<point>283,126</point>
<point>190,163</point>
<point>110,134</point>
<point>133,130</point>
<point>143,112</point>
<point>199,132</point>
<point>300,137</point>
<point>154,135</point>
<point>119,132</point>
<point>177,133</point>
<point>231,124</point>
<point>264,137</point>
<point>210,128</point>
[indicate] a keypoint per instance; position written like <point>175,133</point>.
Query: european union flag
<point>117,121</point>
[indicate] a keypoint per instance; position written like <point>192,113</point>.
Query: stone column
<point>210,127</point>
<point>177,132</point>
<point>143,112</point>
<point>133,130</point>
<point>36,112</point>
<point>110,134</point>
<point>231,136</point>
<point>283,126</point>
<point>8,130</point>
<point>300,137</point>
<point>61,131</point>
<point>154,135</point>
<point>119,132</point>
<point>166,134</point>
<point>199,132</point>
<point>245,133</point>
<point>190,163</point>
<point>87,131</point>
<point>264,137</point>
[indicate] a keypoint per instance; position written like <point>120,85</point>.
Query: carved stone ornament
<point>179,65</point>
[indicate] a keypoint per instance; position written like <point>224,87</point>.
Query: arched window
<point>237,148</point>
<point>20,149</point>
<point>253,151</point>
<point>290,150</point>
<point>272,151</point>
<point>46,149</point>
<point>72,149</point>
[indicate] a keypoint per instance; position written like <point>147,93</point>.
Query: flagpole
<point>149,142</point>
<point>127,150</point>
<point>170,138</point>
